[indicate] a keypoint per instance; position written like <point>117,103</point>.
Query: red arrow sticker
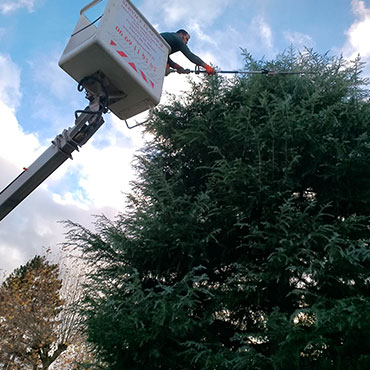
<point>133,66</point>
<point>144,77</point>
<point>121,53</point>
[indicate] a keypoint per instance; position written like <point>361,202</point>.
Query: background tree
<point>246,242</point>
<point>36,324</point>
<point>79,354</point>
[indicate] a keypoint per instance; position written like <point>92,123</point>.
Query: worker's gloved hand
<point>182,70</point>
<point>209,70</point>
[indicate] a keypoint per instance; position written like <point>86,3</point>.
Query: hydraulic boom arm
<point>86,124</point>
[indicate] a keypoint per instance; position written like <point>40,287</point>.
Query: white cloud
<point>56,97</point>
<point>104,172</point>
<point>49,76</point>
<point>299,40</point>
<point>25,230</point>
<point>201,34</point>
<point>359,8</point>
<point>256,36</point>
<point>17,147</point>
<point>9,6</point>
<point>33,225</point>
<point>12,256</point>
<point>9,82</point>
<point>358,33</point>
<point>178,13</point>
<point>264,31</point>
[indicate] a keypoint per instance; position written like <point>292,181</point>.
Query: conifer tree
<point>246,241</point>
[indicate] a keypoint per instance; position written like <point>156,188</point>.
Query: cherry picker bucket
<point>124,51</point>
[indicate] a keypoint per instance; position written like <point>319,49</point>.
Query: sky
<point>38,99</point>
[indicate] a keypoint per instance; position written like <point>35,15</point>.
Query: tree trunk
<point>47,361</point>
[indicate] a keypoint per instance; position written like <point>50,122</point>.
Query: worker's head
<point>184,35</point>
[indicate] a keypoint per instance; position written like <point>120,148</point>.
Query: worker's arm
<point>196,60</point>
<point>191,56</point>
<point>171,63</point>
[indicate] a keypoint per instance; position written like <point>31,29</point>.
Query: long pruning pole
<point>259,72</point>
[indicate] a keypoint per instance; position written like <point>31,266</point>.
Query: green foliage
<point>246,242</point>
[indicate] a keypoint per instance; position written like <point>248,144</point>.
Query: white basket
<point>126,50</point>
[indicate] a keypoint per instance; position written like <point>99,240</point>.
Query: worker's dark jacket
<point>177,44</point>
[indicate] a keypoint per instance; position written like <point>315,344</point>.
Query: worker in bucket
<point>178,42</point>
